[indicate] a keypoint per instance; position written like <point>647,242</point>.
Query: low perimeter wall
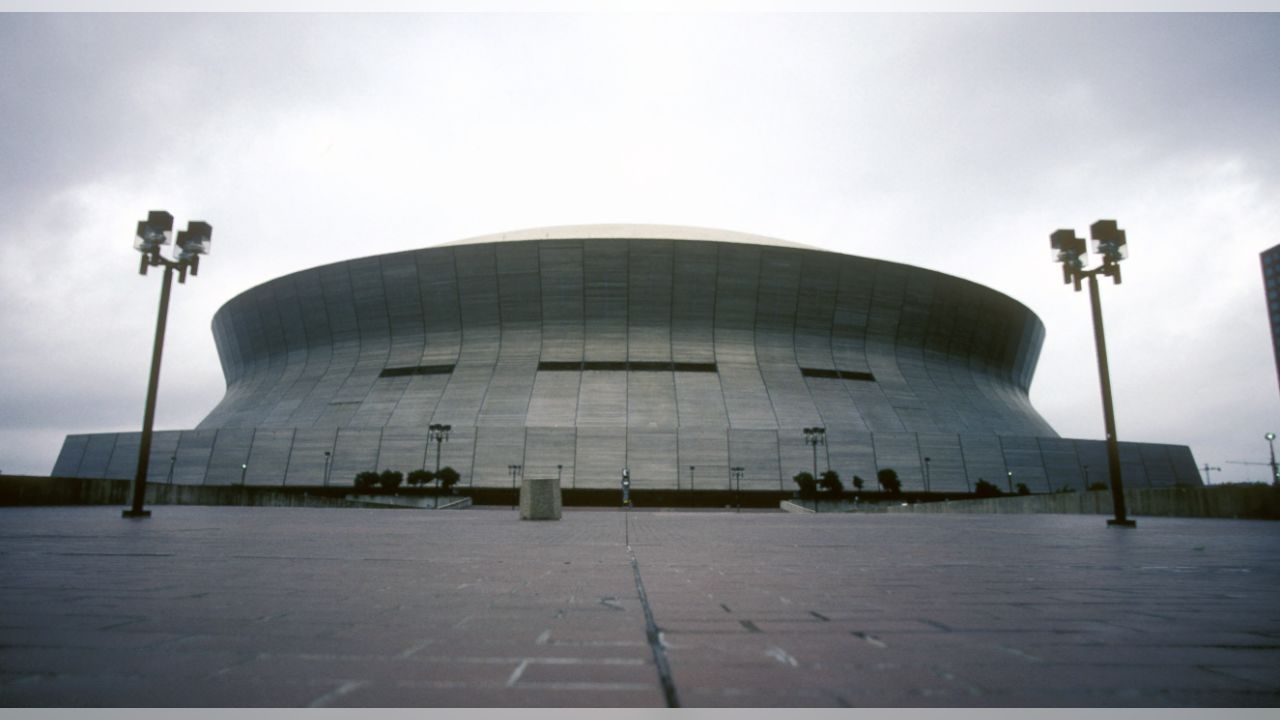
<point>1255,502</point>
<point>30,490</point>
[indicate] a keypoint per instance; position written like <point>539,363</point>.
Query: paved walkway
<point>221,607</point>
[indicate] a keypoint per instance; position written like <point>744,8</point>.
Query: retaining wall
<point>1258,502</point>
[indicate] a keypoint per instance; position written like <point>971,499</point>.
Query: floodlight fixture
<point>153,232</point>
<point>1068,250</point>
<point>1109,241</point>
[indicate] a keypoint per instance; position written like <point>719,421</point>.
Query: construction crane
<point>1245,462</point>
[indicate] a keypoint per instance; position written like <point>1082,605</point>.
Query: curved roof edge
<point>628,231</point>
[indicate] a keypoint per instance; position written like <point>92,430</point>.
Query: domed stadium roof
<point>629,231</point>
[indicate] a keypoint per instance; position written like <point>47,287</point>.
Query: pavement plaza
<point>294,607</point>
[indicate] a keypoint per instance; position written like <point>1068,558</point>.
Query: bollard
<point>540,499</point>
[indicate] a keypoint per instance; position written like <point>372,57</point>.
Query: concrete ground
<point>222,607</point>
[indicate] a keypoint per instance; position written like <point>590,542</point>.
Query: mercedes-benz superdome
<point>675,352</point>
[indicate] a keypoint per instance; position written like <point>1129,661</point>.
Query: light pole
<point>815,436</point>
<point>736,472</point>
<point>1109,242</point>
<point>1008,478</point>
<point>926,475</point>
<point>691,469</point>
<point>173,459</point>
<point>327,455</point>
<point>559,474</point>
<point>514,470</point>
<point>192,243</point>
<point>626,487</point>
<point>1275,472</point>
<point>439,434</point>
<point>244,468</point>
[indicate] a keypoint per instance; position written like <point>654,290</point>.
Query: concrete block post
<point>540,499</point>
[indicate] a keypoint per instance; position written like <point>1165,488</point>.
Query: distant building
<point>676,352</point>
<point>1271,282</point>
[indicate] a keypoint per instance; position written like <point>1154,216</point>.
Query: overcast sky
<point>951,142</point>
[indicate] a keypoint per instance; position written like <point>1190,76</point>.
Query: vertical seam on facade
<point>355,313</point>
<point>288,457</point>
<point>391,338</point>
<point>115,441</point>
<point>328,356</point>
<point>755,334</point>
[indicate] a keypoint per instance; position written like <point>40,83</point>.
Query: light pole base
<point>1122,523</point>
<point>136,513</point>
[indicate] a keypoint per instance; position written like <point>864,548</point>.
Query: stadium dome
<point>675,352</point>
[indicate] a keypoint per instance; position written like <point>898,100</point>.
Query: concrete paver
<point>228,607</point>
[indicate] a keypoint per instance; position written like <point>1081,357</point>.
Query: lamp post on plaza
<point>193,242</point>
<point>691,469</point>
<point>1275,472</point>
<point>514,470</point>
<point>815,436</point>
<point>173,459</point>
<point>1109,242</point>
<point>736,473</point>
<point>327,456</point>
<point>437,433</point>
<point>926,474</point>
<point>1008,478</point>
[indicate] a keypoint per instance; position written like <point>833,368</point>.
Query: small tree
<point>858,483</point>
<point>1023,489</point>
<point>808,486</point>
<point>830,482</point>
<point>390,480</point>
<point>420,477</point>
<point>448,477</point>
<point>1098,486</point>
<point>888,479</point>
<point>366,480</point>
<point>985,489</point>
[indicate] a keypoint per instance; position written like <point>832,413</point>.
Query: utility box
<point>540,499</point>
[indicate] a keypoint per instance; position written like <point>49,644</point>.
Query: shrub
<point>858,482</point>
<point>830,481</point>
<point>421,477</point>
<point>808,486</point>
<point>448,477</point>
<point>366,480</point>
<point>985,489</point>
<point>1098,486</point>
<point>888,479</point>
<point>390,479</point>
<point>1023,489</point>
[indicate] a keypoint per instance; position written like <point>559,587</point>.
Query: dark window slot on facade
<point>553,365</point>
<point>649,366</point>
<point>694,367</point>
<point>633,366</point>
<point>851,375</point>
<point>841,374</point>
<point>416,370</point>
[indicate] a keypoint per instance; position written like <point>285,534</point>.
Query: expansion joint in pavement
<point>655,642</point>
